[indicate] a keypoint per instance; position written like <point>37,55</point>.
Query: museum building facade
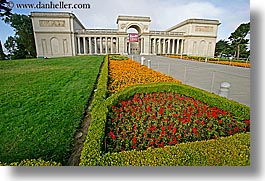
<point>60,34</point>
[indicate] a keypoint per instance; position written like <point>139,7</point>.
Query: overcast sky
<point>163,13</point>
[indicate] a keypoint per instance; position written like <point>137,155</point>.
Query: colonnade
<point>167,46</point>
<point>97,45</point>
<point>113,44</point>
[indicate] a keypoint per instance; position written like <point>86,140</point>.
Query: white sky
<point>163,13</point>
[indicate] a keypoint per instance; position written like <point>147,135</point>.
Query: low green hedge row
<point>91,152</point>
<point>32,162</point>
<point>102,86</point>
<point>225,151</point>
<point>215,152</point>
<point>118,57</point>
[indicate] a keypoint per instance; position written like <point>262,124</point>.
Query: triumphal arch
<point>62,34</point>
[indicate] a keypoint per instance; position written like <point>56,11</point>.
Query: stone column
<point>78,45</point>
<point>117,45</point>
<point>177,47</point>
<point>106,45</point>
<point>85,45</point>
<point>159,46</point>
<point>96,46</point>
<point>142,45</point>
<point>173,47</point>
<point>111,45</point>
<point>125,45</point>
<point>164,46</point>
<point>90,45</point>
<point>168,46</point>
<point>121,45</point>
<point>100,45</point>
<point>182,46</point>
<point>155,46</point>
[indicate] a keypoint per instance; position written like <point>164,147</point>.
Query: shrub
<point>225,151</point>
<point>233,150</point>
<point>32,162</point>
<point>91,152</point>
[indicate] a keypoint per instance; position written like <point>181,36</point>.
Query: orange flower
<point>128,72</point>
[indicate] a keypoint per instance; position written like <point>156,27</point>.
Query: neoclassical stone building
<point>62,34</point>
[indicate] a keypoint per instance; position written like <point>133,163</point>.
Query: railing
<point>97,31</point>
<point>166,33</point>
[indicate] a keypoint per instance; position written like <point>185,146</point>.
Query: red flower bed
<point>159,119</point>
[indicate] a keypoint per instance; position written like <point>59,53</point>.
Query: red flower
<point>161,111</point>
<point>162,143</point>
<point>112,135</point>
<point>179,136</point>
<point>194,130</point>
<point>174,130</point>
<point>123,103</point>
<point>202,122</point>
<point>214,114</point>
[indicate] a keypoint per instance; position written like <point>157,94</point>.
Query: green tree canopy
<point>24,36</point>
<point>239,39</point>
<point>5,8</point>
<point>222,47</point>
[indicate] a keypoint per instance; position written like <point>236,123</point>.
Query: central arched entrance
<point>133,44</point>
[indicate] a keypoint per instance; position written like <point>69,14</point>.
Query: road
<point>206,76</point>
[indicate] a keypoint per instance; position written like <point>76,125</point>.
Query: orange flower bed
<point>238,64</point>
<point>128,72</point>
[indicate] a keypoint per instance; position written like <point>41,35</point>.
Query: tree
<point>15,50</point>
<point>2,55</point>
<point>222,47</point>
<point>24,36</point>
<point>5,8</point>
<point>238,39</point>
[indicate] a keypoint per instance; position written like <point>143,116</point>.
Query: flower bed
<point>166,118</point>
<point>232,150</point>
<point>212,60</point>
<point>238,64</point>
<point>128,72</point>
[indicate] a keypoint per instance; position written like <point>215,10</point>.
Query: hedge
<point>32,162</point>
<point>91,152</point>
<point>211,152</point>
<point>101,91</point>
<point>225,151</point>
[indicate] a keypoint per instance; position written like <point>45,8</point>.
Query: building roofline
<point>133,18</point>
<point>57,15</point>
<point>195,20</point>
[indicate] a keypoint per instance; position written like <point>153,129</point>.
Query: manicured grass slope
<point>41,105</point>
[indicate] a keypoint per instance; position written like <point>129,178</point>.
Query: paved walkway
<point>206,76</point>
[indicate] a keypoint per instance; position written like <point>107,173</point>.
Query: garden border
<point>92,153</point>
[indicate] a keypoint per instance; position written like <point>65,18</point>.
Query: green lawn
<point>42,102</point>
